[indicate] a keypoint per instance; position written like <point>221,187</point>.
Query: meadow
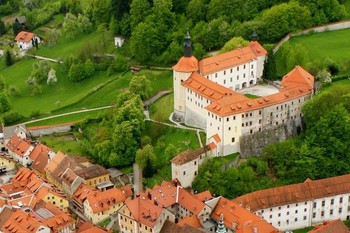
<point>318,46</point>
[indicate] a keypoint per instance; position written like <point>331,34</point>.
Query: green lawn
<point>62,142</point>
<point>250,96</point>
<point>226,159</point>
<point>331,44</point>
<point>160,79</point>
<point>69,118</point>
<point>162,108</point>
<point>65,91</point>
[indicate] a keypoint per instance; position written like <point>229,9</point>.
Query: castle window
<point>322,213</point>
<point>224,72</point>
<point>231,80</point>
<point>234,118</point>
<point>250,123</point>
<point>229,128</point>
<point>182,80</point>
<point>233,139</point>
<point>208,77</point>
<point>251,131</point>
<point>277,108</point>
<point>231,70</point>
<point>242,115</point>
<point>251,114</point>
<point>242,124</point>
<point>237,68</point>
<point>237,77</point>
<point>243,75</point>
<point>340,210</point>
<point>216,75</point>
<point>184,172</point>
<point>260,121</point>
<point>227,119</point>
<point>341,200</point>
<point>244,67</point>
<point>224,81</point>
<point>251,66</point>
<point>331,212</point>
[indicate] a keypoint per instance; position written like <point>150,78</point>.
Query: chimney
<point>255,229</point>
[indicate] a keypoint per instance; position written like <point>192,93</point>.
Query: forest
<point>156,28</point>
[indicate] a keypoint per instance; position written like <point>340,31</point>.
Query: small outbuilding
<point>118,41</point>
<point>26,40</point>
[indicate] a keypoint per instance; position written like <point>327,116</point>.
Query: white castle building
<point>301,205</point>
<point>205,95</point>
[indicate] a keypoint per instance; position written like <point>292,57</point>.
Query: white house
<point>20,150</point>
<point>118,41</point>
<point>301,205</point>
<point>205,95</point>
<point>184,166</point>
<point>26,40</point>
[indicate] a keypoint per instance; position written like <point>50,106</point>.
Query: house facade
<point>26,40</point>
<point>301,205</point>
<point>205,95</point>
<point>184,166</point>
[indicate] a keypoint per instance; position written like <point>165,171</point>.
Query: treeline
<point>156,28</point>
<point>321,151</point>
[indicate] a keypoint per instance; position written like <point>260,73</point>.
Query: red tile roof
<point>82,192</point>
<point>92,171</point>
<point>102,201</point>
<point>208,89</point>
<point>244,220</point>
<point>191,221</point>
<point>335,226</point>
<point>24,36</point>
<point>21,222</point>
<point>14,187</point>
<point>59,222</point>
<point>189,202</point>
<point>204,196</point>
<point>295,193</point>
<point>186,64</point>
<point>231,59</point>
<point>297,83</point>
<point>58,165</point>
<point>39,150</point>
<point>23,174</point>
<point>88,227</point>
<point>13,143</point>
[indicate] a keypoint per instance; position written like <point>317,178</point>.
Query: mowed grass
<point>65,91</point>
<point>160,79</point>
<point>162,108</point>
<point>329,44</point>
<point>62,142</point>
<point>69,118</point>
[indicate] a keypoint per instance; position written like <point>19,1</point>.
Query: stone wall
<point>253,144</point>
<point>47,130</point>
<point>194,119</point>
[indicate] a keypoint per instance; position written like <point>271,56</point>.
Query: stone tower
<point>181,72</point>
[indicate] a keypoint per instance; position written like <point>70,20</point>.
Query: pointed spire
<point>188,45</point>
<point>254,36</point>
<point>221,226</point>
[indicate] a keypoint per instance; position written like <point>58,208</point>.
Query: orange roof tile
<point>13,143</point>
<point>231,59</point>
<point>244,220</point>
<point>191,221</point>
<point>186,64</point>
<point>217,138</point>
<point>102,201</point>
<point>88,227</point>
<point>297,83</point>
<point>21,222</point>
<point>39,150</point>
<point>14,187</point>
<point>170,227</point>
<point>23,174</point>
<point>331,227</point>
<point>22,148</point>
<point>5,214</point>
<point>24,36</point>
<point>204,196</point>
<point>58,165</point>
<point>82,192</point>
<point>69,177</point>
<point>207,88</point>
<point>91,172</point>
<point>143,211</point>
<point>59,222</point>
<point>188,201</point>
<point>295,193</point>
<point>40,163</point>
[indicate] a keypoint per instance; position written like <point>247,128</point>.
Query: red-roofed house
<point>20,150</point>
<point>331,227</point>
<point>25,40</point>
<point>205,95</point>
<point>101,205</point>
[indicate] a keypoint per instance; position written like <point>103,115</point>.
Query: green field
<point>329,44</point>
<point>162,108</point>
<point>66,143</point>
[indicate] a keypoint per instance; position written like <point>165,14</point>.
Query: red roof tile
<point>24,36</point>
<point>295,193</point>
<point>186,64</point>
<point>39,150</point>
<point>335,226</point>
<point>231,59</point>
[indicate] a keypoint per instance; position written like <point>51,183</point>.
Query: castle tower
<point>181,72</point>
<point>221,226</point>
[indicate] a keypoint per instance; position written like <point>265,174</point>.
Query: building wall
<point>238,77</point>
<point>100,216</point>
<point>308,213</point>
<point>57,201</point>
<point>93,182</point>
<point>179,93</point>
<point>10,164</point>
<point>24,160</point>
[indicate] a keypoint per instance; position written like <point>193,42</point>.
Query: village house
<point>20,149</point>
<point>79,197</point>
<point>94,175</point>
<point>184,166</point>
<point>99,206</point>
<point>26,40</point>
<point>6,164</point>
<point>70,182</point>
<point>301,205</point>
<point>205,95</point>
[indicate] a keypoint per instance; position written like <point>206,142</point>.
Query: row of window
<point>237,68</point>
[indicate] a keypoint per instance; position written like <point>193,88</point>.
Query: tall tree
<point>140,85</point>
<point>139,10</point>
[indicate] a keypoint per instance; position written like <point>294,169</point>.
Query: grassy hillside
<point>329,44</point>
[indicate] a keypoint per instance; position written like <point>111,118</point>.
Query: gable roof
<point>295,193</point>
<point>39,150</point>
<point>102,201</point>
<point>21,222</point>
<point>23,173</point>
<point>13,143</point>
<point>231,59</point>
<point>5,214</point>
<point>243,220</point>
<point>296,83</point>
<point>207,88</point>
<point>40,163</point>
<point>58,165</point>
<point>91,172</point>
<point>88,227</point>
<point>82,192</point>
<point>186,64</point>
<point>24,36</point>
<point>189,155</point>
<point>331,227</point>
<point>170,227</point>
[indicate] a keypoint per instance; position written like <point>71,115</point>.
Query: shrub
<point>12,117</point>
